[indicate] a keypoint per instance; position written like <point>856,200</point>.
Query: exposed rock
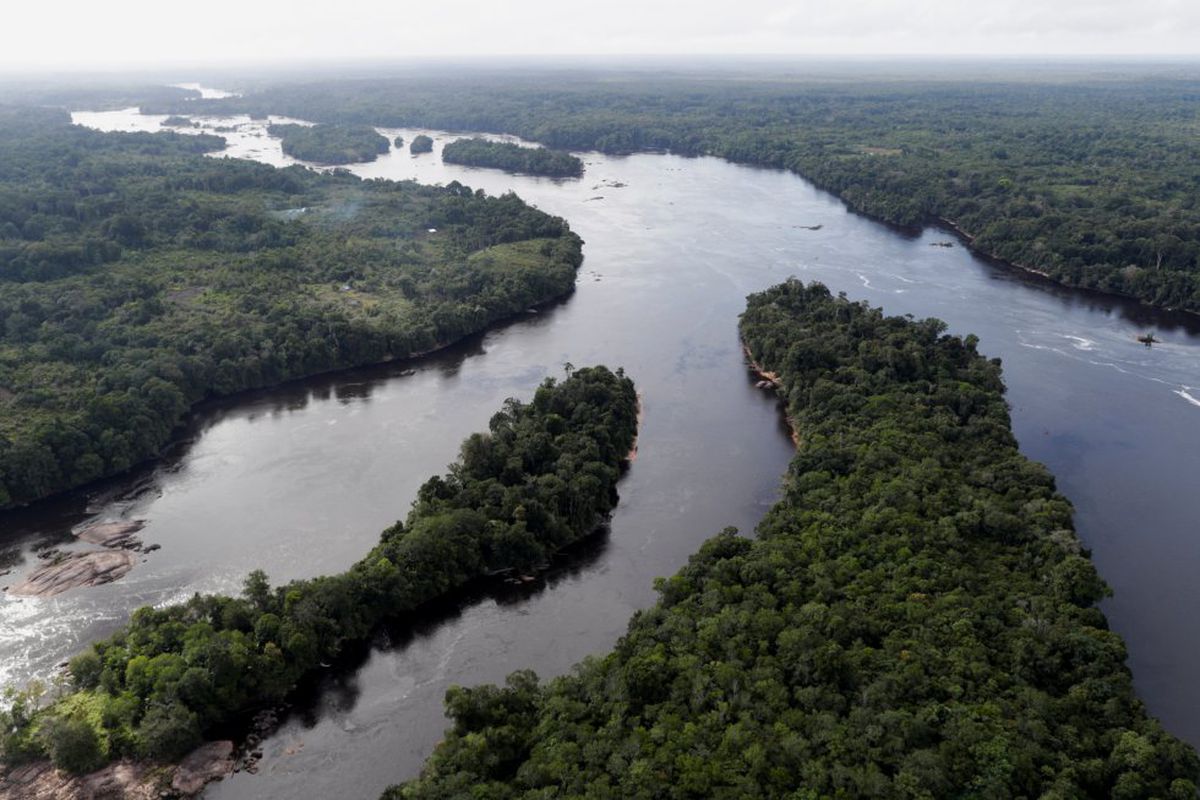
<point>124,780</point>
<point>74,570</point>
<point>208,762</point>
<point>112,534</point>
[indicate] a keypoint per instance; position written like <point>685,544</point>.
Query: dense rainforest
<point>477,152</point>
<point>138,278</point>
<point>330,144</point>
<point>915,619</point>
<point>543,476</point>
<point>1095,181</point>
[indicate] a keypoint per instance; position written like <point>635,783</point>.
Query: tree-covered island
<point>479,152</point>
<point>420,144</point>
<point>330,144</point>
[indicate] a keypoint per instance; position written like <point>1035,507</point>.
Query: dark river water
<point>299,480</point>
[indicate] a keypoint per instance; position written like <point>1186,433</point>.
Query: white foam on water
<point>1082,343</point>
<point>1184,392</point>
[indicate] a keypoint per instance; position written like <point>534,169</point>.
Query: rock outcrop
<point>112,534</point>
<point>125,780</point>
<point>208,762</point>
<point>72,570</point>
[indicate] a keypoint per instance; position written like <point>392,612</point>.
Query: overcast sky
<point>112,33</point>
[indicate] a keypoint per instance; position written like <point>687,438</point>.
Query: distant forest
<point>1095,182</point>
<point>138,278</point>
<point>915,618</point>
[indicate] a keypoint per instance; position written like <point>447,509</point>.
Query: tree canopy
<point>330,144</point>
<point>420,144</point>
<point>478,152</point>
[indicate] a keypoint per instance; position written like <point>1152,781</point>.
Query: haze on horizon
<point>148,33</point>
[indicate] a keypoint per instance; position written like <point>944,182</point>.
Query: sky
<point>122,33</point>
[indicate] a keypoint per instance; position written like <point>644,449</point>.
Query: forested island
<point>478,152</point>
<point>138,278</point>
<point>542,477</point>
<point>420,144</point>
<point>1090,181</point>
<point>331,144</point>
<point>916,617</point>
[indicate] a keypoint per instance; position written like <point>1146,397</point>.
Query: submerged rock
<point>74,570</point>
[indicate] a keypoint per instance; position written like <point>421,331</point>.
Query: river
<point>299,480</point>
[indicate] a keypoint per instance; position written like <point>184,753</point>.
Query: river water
<point>299,480</point>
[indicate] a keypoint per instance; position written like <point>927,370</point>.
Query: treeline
<point>137,279</point>
<point>330,144</point>
<point>542,477</point>
<point>1092,179</point>
<point>916,617</point>
<point>478,152</point>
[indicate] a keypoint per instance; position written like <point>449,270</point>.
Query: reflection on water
<point>300,479</point>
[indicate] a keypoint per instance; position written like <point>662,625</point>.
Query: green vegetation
<point>916,618</point>
<point>421,144</point>
<point>542,477</point>
<point>513,158</point>
<point>398,142</point>
<point>138,278</point>
<point>1091,179</point>
<point>176,121</point>
<point>330,144</point>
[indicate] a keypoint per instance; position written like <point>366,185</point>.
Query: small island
<point>398,142</point>
<point>331,144</point>
<point>420,144</point>
<point>176,121</point>
<point>512,158</point>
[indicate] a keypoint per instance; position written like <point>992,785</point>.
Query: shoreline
<point>773,379</point>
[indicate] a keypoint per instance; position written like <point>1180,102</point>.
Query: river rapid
<point>300,479</point>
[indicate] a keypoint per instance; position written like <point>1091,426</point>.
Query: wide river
<point>299,480</point>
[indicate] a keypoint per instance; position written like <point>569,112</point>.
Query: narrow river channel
<point>300,479</point>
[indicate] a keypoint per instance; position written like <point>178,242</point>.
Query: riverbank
<point>771,381</point>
